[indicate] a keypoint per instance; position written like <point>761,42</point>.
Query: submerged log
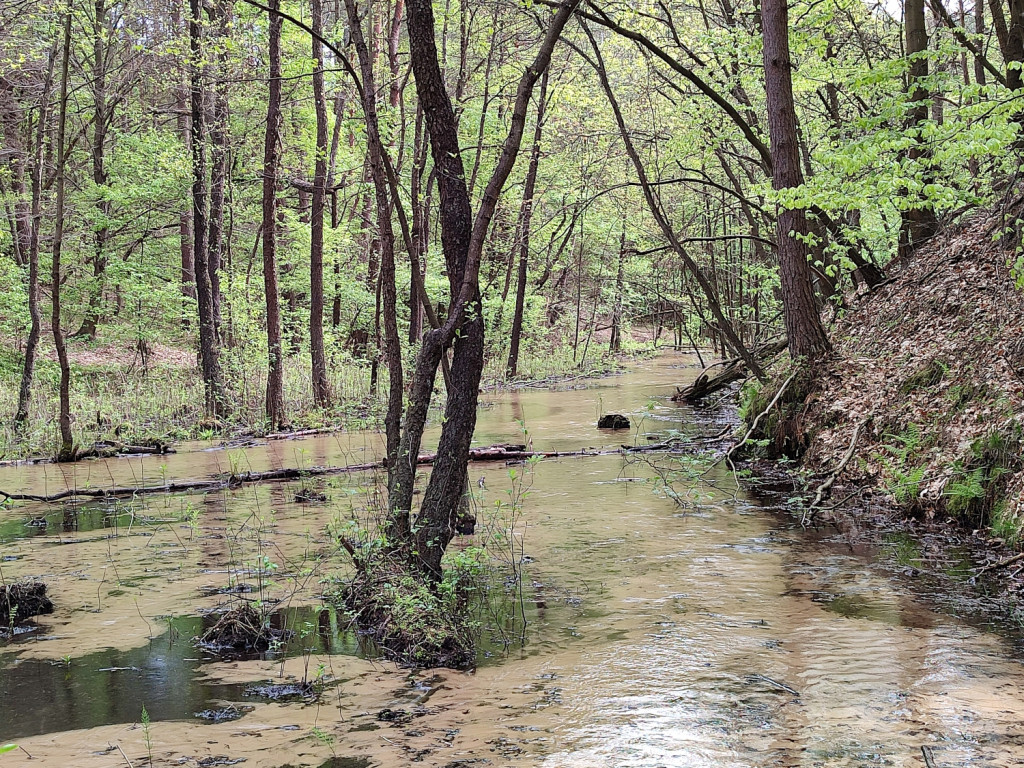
<point>732,370</point>
<point>504,452</point>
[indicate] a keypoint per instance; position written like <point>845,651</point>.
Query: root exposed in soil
<point>241,630</point>
<point>19,602</point>
<point>412,622</point>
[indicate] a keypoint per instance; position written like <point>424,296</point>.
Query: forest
<point>311,267</point>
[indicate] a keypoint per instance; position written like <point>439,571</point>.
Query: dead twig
<point>1001,564</point>
<point>777,684</point>
<point>826,486</point>
<point>761,415</point>
<point>124,756</point>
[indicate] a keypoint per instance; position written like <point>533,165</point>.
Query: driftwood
<point>826,486</point>
<point>679,442</point>
<point>508,453</point>
<point>303,433</point>
<point>1001,563</point>
<point>732,370</point>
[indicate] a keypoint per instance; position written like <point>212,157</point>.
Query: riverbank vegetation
<point>251,217</point>
<point>923,398</point>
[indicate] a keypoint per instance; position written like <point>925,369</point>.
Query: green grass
<point>166,402</point>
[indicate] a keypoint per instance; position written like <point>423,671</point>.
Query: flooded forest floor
<point>673,617</point>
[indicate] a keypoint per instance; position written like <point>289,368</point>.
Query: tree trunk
<point>32,254</point>
<point>524,232</point>
<point>183,116</point>
<point>209,348</point>
<point>420,213</point>
<point>918,222</point>
<point>219,164</point>
<point>396,526</point>
<point>100,123</point>
<point>462,240</point>
<point>803,324</point>
<point>271,158</point>
<point>615,343</point>
<point>321,390</point>
<point>66,452</point>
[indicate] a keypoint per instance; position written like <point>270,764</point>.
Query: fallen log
<point>732,370</point>
<point>303,433</point>
<point>507,453</point>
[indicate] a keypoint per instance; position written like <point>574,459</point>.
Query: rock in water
<point>613,421</point>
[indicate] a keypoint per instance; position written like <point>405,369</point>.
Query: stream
<point>708,630</point>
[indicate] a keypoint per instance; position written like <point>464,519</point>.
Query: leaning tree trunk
<point>321,390</point>
<point>209,347</point>
<point>67,444</point>
<point>706,285</point>
<point>275,372</point>
<point>803,324</point>
<point>462,240</point>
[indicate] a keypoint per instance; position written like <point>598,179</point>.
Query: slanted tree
<point>462,240</point>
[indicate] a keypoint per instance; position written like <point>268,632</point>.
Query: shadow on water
<point>341,762</point>
<point>112,686</point>
<point>106,515</point>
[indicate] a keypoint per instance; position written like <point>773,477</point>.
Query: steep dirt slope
<point>929,372</point>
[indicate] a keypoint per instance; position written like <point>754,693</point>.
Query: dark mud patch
<point>347,762</point>
<point>223,714</point>
<point>339,761</point>
<point>282,691</point>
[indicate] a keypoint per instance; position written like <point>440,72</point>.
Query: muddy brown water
<point>709,634</point>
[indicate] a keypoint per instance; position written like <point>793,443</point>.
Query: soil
<point>940,347</point>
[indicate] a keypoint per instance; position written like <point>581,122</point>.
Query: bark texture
<point>271,160</point>
<point>803,324</point>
